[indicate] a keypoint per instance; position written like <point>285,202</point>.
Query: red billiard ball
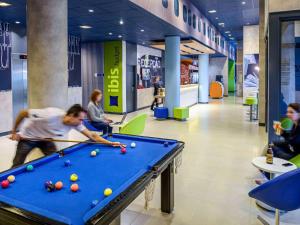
<point>123,150</point>
<point>5,184</point>
<point>74,187</point>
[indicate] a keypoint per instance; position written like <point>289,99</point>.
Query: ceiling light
<point>248,23</point>
<point>120,36</point>
<point>212,11</point>
<point>17,22</point>
<point>217,18</point>
<point>85,27</point>
<point>229,35</point>
<point>227,32</point>
<point>221,24</point>
<point>144,43</point>
<point>142,30</point>
<point>4,4</point>
<point>121,22</point>
<point>91,10</point>
<point>232,38</point>
<point>110,33</point>
<point>243,3</point>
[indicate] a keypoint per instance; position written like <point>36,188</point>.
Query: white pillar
<point>203,78</point>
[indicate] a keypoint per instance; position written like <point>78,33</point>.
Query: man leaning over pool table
<point>48,123</point>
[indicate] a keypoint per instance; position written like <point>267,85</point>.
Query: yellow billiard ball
<point>74,177</point>
<point>107,192</point>
<point>11,178</point>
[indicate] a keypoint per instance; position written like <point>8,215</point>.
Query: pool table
<point>26,201</point>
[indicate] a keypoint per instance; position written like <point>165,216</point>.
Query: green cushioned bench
<point>181,113</point>
<point>296,160</point>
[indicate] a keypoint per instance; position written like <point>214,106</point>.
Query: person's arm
<point>98,138</point>
<point>22,115</point>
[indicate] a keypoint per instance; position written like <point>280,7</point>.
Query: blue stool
<point>161,113</point>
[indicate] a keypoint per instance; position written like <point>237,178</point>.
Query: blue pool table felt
<point>109,169</point>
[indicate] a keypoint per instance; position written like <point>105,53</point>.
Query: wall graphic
<point>149,66</point>
<point>251,75</point>
<point>5,55</point>
<point>74,61</point>
<point>113,77</point>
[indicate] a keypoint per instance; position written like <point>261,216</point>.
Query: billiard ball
<point>93,153</point>
<point>67,163</point>
<point>74,177</point>
<point>107,192</point>
<point>5,184</point>
<point>74,187</point>
<point>59,185</point>
<point>29,168</point>
<point>94,203</point>
<point>166,144</point>
<point>97,151</point>
<point>123,150</point>
<point>49,186</point>
<point>11,178</point>
<point>133,145</point>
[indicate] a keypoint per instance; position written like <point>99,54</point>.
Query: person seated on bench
<point>290,147</point>
<point>96,113</point>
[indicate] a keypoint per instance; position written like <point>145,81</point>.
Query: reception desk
<point>189,95</point>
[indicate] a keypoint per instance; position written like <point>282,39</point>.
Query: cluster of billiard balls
<point>5,183</point>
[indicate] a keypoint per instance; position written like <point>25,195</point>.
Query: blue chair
<point>281,193</point>
<point>89,126</point>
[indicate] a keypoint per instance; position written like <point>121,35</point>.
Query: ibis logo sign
<point>113,76</point>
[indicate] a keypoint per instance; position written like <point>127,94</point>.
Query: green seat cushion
<point>181,113</point>
<point>287,124</point>
<point>251,101</point>
<point>296,160</point>
<point>135,126</point>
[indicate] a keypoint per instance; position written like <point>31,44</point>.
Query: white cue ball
<point>133,145</point>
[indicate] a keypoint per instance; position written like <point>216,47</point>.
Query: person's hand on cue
<point>15,137</point>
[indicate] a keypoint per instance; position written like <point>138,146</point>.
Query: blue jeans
<point>104,127</point>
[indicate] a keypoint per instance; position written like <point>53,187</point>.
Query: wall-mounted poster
<point>5,55</point>
<point>251,76</point>
<point>149,66</point>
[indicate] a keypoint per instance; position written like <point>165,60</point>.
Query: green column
<point>231,76</point>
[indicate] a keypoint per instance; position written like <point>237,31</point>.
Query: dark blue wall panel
<point>74,61</point>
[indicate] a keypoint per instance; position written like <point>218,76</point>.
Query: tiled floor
<point>215,177</point>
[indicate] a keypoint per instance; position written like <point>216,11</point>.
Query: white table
<point>274,169</point>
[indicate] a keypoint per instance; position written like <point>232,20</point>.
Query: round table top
<point>276,167</point>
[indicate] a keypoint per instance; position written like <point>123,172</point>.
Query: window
<point>184,14</point>
<point>194,21</point>
<point>190,17</point>
<point>199,25</point>
<point>204,28</point>
<point>176,7</point>
<point>165,3</point>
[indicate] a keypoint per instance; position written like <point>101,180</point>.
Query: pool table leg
<point>116,221</point>
<point>167,189</point>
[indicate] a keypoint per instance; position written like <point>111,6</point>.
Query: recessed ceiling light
<point>110,33</point>
<point>227,32</point>
<point>119,36</point>
<point>142,30</point>
<point>217,18</point>
<point>121,22</point>
<point>144,43</point>
<point>4,4</point>
<point>85,27</point>
<point>232,38</point>
<point>248,23</point>
<point>221,24</point>
<point>17,22</point>
<point>229,35</point>
<point>212,11</point>
<point>243,3</point>
<point>91,10</point>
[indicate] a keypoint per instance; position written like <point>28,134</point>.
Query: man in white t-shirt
<point>48,123</point>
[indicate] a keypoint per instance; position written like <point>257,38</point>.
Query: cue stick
<point>71,141</point>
